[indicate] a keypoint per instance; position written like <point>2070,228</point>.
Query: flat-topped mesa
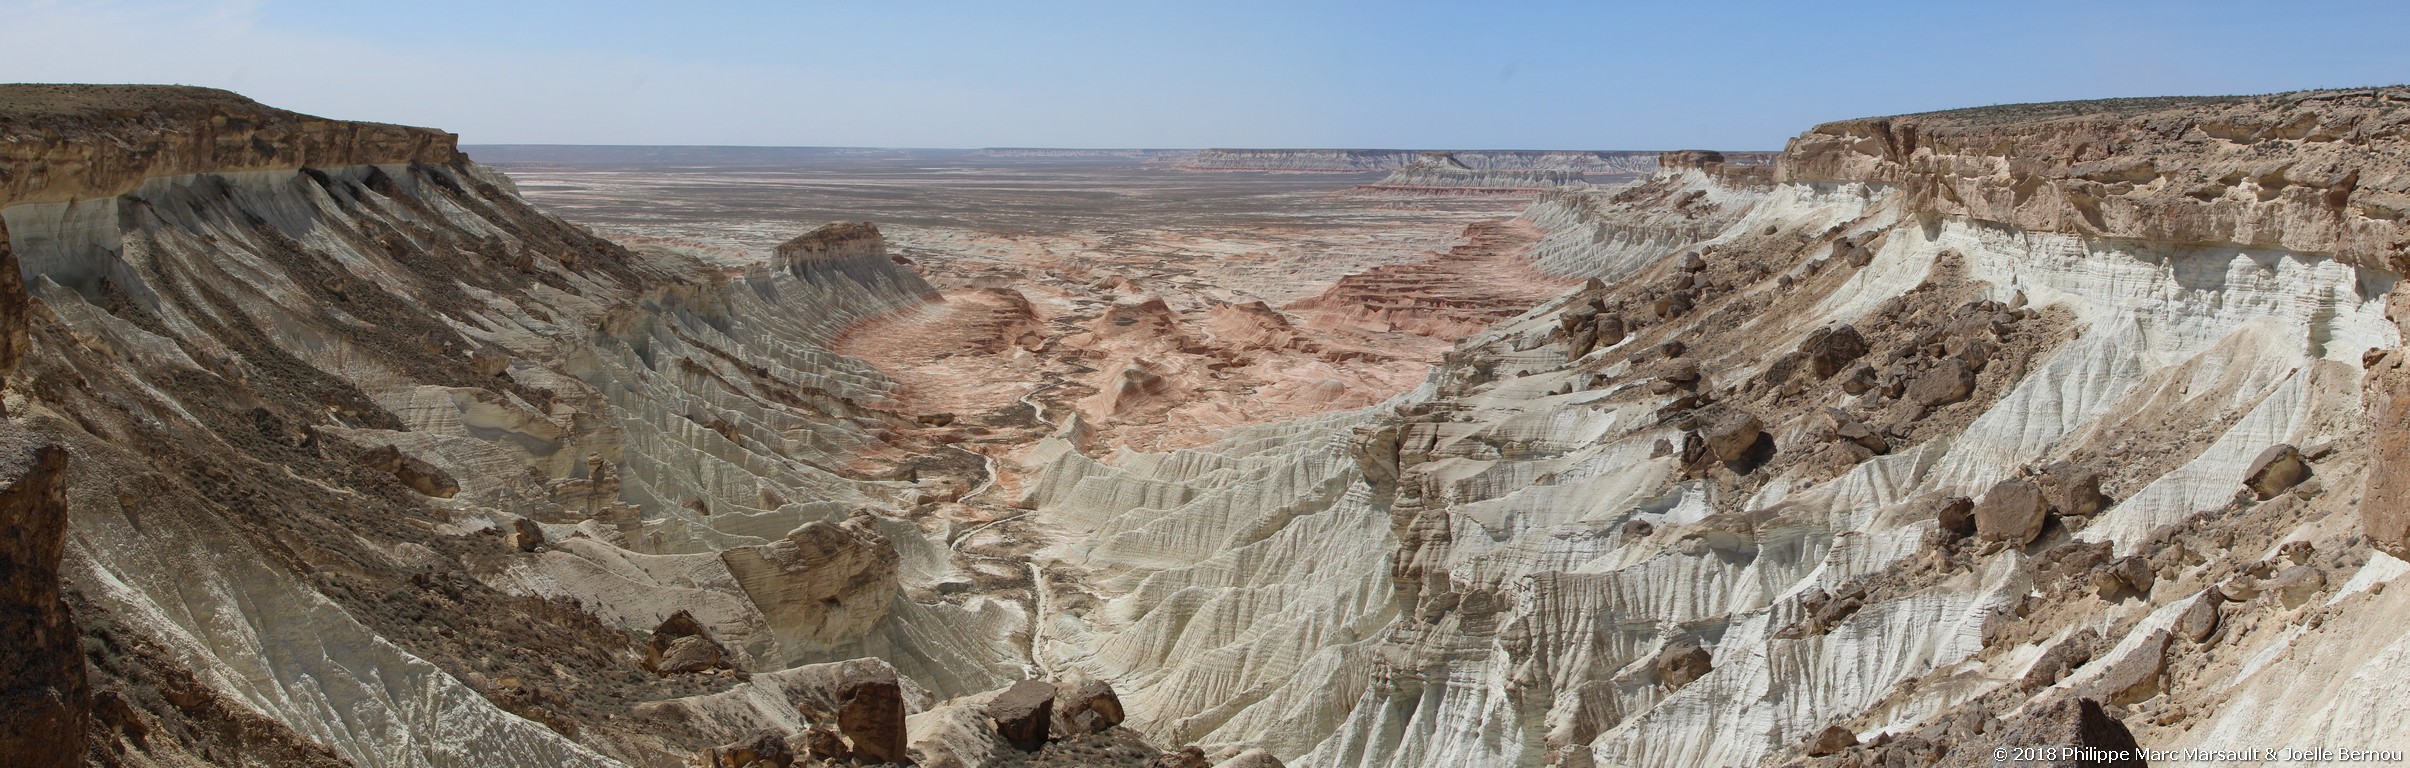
<point>2312,171</point>
<point>74,142</point>
<point>848,250</point>
<point>842,240</point>
<point>1444,173</point>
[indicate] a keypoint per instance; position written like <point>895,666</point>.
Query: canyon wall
<point>374,464</point>
<point>2049,423</point>
<point>2076,422</point>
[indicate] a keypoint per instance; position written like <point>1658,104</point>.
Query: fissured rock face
<point>43,696</point>
<point>69,142</point>
<point>2309,171</point>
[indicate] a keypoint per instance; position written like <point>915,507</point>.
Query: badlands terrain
<point>2060,425</point>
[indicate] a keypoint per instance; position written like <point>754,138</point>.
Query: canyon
<point>2075,424</point>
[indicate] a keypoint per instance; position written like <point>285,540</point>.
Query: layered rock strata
<point>1444,173</point>
<point>1667,520</point>
<point>377,465</point>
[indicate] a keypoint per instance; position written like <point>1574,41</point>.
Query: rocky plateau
<point>2078,424</point>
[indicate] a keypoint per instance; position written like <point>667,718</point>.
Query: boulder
<point>421,476</point>
<point>1848,428</point>
<point>526,535</point>
<point>1860,379</point>
<point>2200,620</point>
<point>693,653</point>
<point>764,750</point>
<point>870,712</point>
<point>1253,758</point>
<point>2012,511</point>
<point>2137,675</point>
<point>2061,660</point>
<point>1191,756</point>
<point>1955,516</point>
<point>822,743</point>
<point>1087,707</point>
<point>1638,529</point>
<point>2238,588</point>
<point>1671,305</point>
<point>2079,724</point>
<point>2130,573</point>
<point>2296,585</point>
<point>1690,262</point>
<point>2135,571</point>
<point>1730,436</point>
<point>2071,489</point>
<point>1830,351</point>
<point>489,363</point>
<point>2277,470</point>
<point>1976,353</point>
<point>1681,662</point>
<point>824,584</point>
<point>681,645</point>
<point>1024,714</point>
<point>1946,382</point>
<point>1833,740</point>
<point>1610,330</point>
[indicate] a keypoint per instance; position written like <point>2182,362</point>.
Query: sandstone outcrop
<point>765,750</point>
<point>70,142</point>
<point>413,471</point>
<point>2275,471</point>
<point>822,584</point>
<point>2301,171</point>
<point>1087,707</point>
<point>1680,663</point>
<point>870,712</point>
<point>681,645</point>
<point>2012,511</point>
<point>1831,741</point>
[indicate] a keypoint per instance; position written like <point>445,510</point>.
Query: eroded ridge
<point>1893,454</point>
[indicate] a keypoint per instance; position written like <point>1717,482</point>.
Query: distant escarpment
<point>1379,160</point>
<point>1444,173</point>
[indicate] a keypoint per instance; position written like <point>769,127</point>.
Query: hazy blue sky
<point>1733,75</point>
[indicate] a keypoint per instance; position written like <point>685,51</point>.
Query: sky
<point>1229,73</point>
